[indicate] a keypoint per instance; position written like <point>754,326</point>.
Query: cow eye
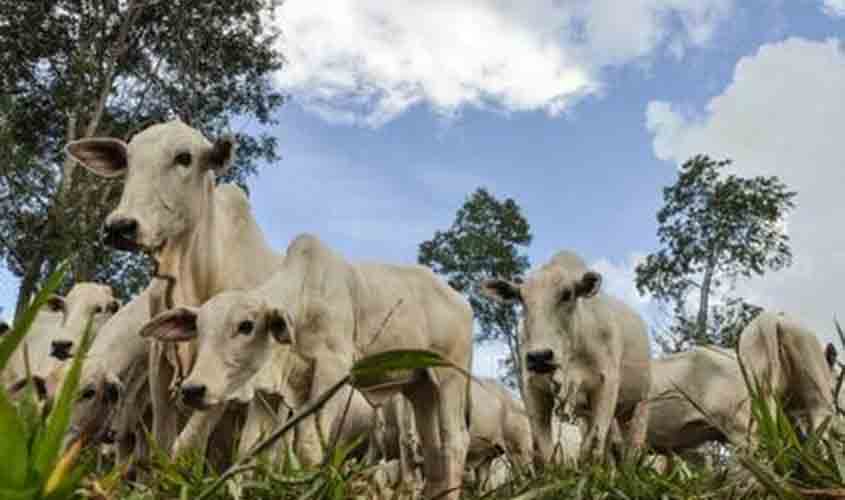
<point>566,295</point>
<point>245,327</point>
<point>88,393</point>
<point>183,159</point>
<point>98,310</point>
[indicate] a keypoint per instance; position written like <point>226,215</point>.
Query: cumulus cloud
<point>834,8</point>
<point>366,61</point>
<point>618,280</point>
<point>782,114</point>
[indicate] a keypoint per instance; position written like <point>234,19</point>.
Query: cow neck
<point>226,250</point>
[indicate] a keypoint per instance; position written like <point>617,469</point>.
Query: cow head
<point>549,298</point>
<point>169,170</point>
<point>85,302</point>
<point>237,335</point>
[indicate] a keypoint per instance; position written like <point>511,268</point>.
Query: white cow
<point>114,386</point>
<point>498,425</point>
<point>56,330</point>
<point>332,311</point>
<point>709,376</point>
<point>789,362</point>
<point>204,240</point>
<point>580,345</point>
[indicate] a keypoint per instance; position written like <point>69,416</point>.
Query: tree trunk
<point>704,299</point>
<point>28,282</point>
<point>516,353</point>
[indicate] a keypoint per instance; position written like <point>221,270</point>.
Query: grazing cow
<point>330,310</point>
<point>790,364</point>
<point>580,345</point>
<point>113,381</point>
<point>203,240</point>
<point>710,377</point>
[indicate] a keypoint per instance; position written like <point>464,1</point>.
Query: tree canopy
<point>715,228</point>
<point>487,239</point>
<point>80,68</point>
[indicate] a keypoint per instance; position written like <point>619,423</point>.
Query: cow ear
<point>221,155</point>
<point>589,285</point>
<point>4,328</point>
<point>175,325</point>
<point>56,303</point>
<point>502,291</point>
<point>102,156</point>
<point>830,355</point>
<point>280,325</point>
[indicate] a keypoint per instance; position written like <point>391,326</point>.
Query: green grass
<point>36,465</point>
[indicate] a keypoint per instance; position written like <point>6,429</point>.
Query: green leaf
<point>19,494</point>
<point>24,322</point>
<point>14,455</point>
<point>391,366</point>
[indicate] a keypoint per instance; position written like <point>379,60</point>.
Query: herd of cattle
<point>232,337</point>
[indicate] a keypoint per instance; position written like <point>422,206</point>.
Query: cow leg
<point>454,435</point>
<point>603,404</point>
<point>317,428</point>
<point>260,421</point>
<point>407,436</point>
<point>165,417</point>
<point>198,429</point>
<point>425,400</point>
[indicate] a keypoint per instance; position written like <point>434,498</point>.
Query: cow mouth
<point>541,367</point>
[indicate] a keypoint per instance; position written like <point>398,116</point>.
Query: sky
<point>580,110</point>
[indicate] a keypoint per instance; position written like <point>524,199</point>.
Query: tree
<point>487,239</point>
<point>714,229</point>
<point>79,68</point>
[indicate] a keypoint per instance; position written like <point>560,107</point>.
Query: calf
<point>330,310</point>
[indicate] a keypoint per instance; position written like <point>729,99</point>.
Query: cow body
<point>711,377</point>
<point>789,362</point>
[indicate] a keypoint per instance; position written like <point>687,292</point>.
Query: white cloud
<point>782,115</point>
<point>618,280</point>
<point>366,61</point>
<point>834,8</point>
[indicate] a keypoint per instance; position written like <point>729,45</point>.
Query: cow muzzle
<point>541,361</point>
<point>193,395</point>
<point>61,349</point>
<point>122,234</point>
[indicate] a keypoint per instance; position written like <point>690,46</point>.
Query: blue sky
<point>578,110</point>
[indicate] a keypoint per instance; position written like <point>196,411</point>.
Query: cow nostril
<point>111,393</point>
<point>60,349</point>
<point>193,394</point>
<point>120,232</point>
<point>543,356</point>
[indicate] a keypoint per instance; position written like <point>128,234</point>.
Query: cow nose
<point>121,233</point>
<point>540,361</point>
<point>111,392</point>
<point>193,394</point>
<point>60,349</point>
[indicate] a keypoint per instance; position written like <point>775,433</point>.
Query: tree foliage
<point>487,239</point>
<point>80,68</point>
<point>715,228</point>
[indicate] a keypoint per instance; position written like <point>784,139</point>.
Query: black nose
<point>194,395</point>
<point>122,234</point>
<point>541,361</point>
<point>60,349</point>
<point>111,392</point>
